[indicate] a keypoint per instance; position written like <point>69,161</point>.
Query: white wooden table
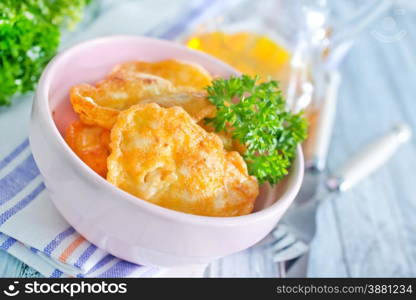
<point>369,231</point>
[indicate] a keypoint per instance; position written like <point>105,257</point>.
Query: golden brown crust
<point>180,73</point>
<point>91,144</point>
<point>127,86</point>
<point>158,151</point>
<point>194,103</point>
<point>83,102</point>
<point>120,91</point>
<point>100,104</point>
<point>229,143</point>
<point>239,185</point>
<point>161,155</point>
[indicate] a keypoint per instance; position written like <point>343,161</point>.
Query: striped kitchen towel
<point>31,229</point>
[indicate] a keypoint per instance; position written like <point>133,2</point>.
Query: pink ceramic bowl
<point>128,227</point>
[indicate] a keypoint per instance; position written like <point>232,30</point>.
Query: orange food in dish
<point>195,103</point>
<point>180,73</point>
<point>91,144</point>
<point>100,104</point>
<point>161,155</point>
<point>142,128</point>
<point>229,143</point>
<point>126,85</point>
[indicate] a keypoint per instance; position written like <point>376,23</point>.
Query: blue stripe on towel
<point>18,179</point>
<point>56,274</point>
<point>120,269</point>
<point>7,243</point>
<point>85,255</point>
<point>105,260</point>
<point>58,240</point>
<point>21,204</point>
<point>9,158</point>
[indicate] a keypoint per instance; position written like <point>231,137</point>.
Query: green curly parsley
<point>29,37</point>
<point>260,121</point>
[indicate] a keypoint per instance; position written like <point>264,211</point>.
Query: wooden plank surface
<point>369,231</point>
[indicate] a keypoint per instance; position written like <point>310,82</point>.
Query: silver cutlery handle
<point>369,159</point>
<point>325,123</point>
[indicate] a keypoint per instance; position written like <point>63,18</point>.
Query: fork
<point>293,236</point>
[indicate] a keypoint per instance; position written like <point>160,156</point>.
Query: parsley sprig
<point>30,33</point>
<point>255,114</point>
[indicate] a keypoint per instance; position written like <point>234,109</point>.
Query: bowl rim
<point>45,113</point>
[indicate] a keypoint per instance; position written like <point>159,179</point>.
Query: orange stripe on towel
<point>71,248</point>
